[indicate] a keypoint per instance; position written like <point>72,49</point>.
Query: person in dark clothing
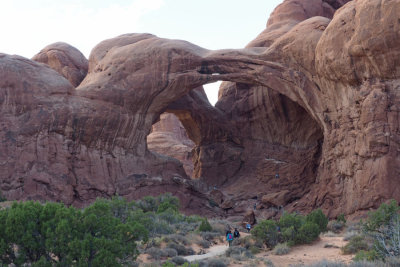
<point>236,233</point>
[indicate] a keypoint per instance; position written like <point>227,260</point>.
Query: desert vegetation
<point>379,235</point>
<point>115,232</point>
<point>374,241</point>
<point>106,233</point>
<point>291,229</point>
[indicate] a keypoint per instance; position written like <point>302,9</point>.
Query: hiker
<point>236,233</point>
<point>277,176</point>
<point>255,206</point>
<point>229,237</point>
<point>248,227</point>
<point>228,229</point>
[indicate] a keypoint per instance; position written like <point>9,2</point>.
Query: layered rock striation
<point>314,98</point>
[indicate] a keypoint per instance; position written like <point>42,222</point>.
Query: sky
<point>30,25</point>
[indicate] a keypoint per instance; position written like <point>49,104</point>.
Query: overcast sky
<point>30,25</point>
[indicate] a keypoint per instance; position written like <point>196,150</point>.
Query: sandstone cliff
<point>313,98</point>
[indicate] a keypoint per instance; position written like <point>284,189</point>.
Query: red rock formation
<point>66,60</point>
<point>318,105</point>
<point>168,137</point>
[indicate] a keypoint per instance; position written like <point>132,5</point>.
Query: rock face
<point>168,137</point>
<point>66,60</point>
<point>314,99</point>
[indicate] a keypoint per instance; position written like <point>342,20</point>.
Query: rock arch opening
<point>211,90</point>
<point>168,137</point>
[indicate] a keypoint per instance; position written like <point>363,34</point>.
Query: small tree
<point>167,201</point>
<point>205,226</point>
<point>266,231</point>
<point>383,226</point>
<point>308,232</point>
<point>319,218</point>
<point>102,239</point>
<point>290,224</point>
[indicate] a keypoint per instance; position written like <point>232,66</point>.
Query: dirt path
<point>212,252</point>
<point>303,254</point>
<point>312,253</point>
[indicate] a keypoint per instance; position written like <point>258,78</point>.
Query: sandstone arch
<point>74,144</point>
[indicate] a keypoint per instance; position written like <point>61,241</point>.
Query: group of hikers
<point>236,234</point>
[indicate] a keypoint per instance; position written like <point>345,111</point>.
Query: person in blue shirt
<point>229,237</point>
<point>248,227</point>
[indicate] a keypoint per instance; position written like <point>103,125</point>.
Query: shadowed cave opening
<point>276,135</point>
<point>168,137</point>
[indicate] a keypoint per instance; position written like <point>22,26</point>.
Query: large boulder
<point>66,60</point>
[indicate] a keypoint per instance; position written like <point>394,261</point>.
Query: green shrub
<point>176,238</point>
<point>289,235</point>
<point>281,249</point>
<point>308,232</point>
<point>319,218</point>
<point>288,220</point>
<point>341,218</point>
<point>205,226</point>
<point>168,264</point>
<point>238,253</point>
<point>193,219</point>
<point>363,255</point>
<point>209,236</point>
<point>290,224</point>
<point>266,231</point>
<point>182,250</point>
<point>382,226</point>
<point>169,252</point>
<point>254,250</point>
<point>52,234</point>
<point>204,243</point>
<point>268,263</point>
<point>147,203</point>
<point>154,253</point>
<point>355,244</point>
<point>167,202</point>
<point>297,229</point>
<point>349,235</point>
<point>158,204</point>
<point>381,217</point>
<point>171,216</point>
<point>179,260</point>
<point>184,227</point>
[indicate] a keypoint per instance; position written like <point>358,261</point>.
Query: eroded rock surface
<point>168,137</point>
<point>66,60</point>
<point>313,100</point>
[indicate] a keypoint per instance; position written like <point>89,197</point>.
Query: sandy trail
<point>212,252</point>
<point>302,254</point>
<point>312,253</point>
